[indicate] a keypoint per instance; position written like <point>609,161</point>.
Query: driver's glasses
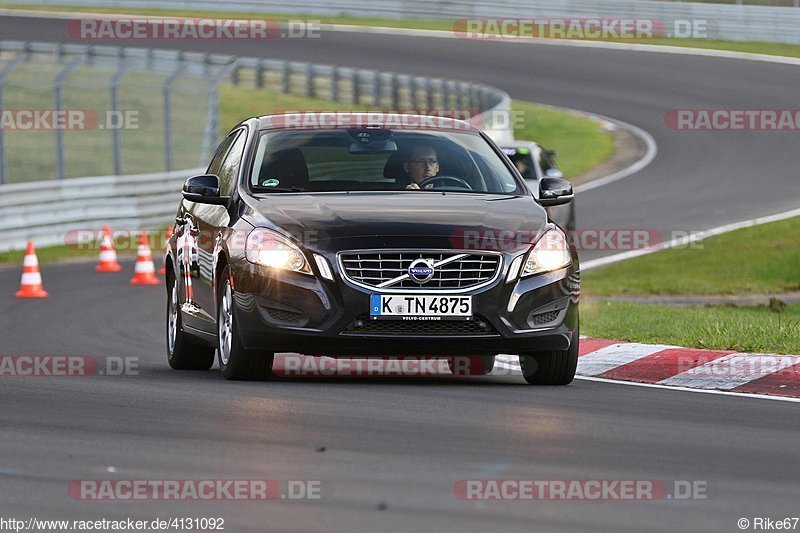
<point>427,162</point>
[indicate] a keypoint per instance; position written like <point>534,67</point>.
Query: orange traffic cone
<point>163,270</point>
<point>31,285</point>
<point>108,256</point>
<point>145,270</point>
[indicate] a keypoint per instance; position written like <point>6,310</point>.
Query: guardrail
<point>46,211</point>
<point>51,213</point>
<point>388,91</point>
<point>729,22</point>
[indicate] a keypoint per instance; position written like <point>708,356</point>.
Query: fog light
<point>537,320</point>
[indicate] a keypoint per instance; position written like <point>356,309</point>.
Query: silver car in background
<point>534,162</point>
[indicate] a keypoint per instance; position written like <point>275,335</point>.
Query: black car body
<point>295,241</point>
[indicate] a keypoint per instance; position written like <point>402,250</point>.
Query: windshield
<point>378,160</point>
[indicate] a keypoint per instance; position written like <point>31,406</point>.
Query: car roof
<point>532,148</point>
<point>346,120</point>
<point>531,145</point>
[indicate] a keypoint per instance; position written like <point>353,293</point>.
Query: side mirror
<point>204,190</point>
<point>555,191</point>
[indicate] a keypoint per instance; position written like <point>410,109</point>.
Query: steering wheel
<point>434,179</point>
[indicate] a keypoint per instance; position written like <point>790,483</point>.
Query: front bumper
<point>281,311</point>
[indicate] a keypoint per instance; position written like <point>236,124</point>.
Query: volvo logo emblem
<point>421,270</point>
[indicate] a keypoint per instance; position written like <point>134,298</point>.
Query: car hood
<point>402,219</point>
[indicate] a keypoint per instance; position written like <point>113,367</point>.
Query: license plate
<point>419,307</point>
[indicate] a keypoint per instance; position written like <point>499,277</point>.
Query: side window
<point>219,155</point>
<point>545,163</point>
<point>229,170</point>
<point>523,164</point>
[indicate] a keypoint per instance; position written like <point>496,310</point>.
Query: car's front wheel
<point>182,353</point>
<point>471,366</point>
<point>555,367</point>
<point>235,361</point>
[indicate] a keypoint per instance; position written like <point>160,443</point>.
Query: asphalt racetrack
<point>388,452</point>
<point>393,447</point>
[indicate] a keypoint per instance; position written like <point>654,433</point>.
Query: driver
<point>422,163</point>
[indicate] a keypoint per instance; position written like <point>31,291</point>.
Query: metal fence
<point>77,110</point>
<point>758,22</point>
<point>144,110</point>
<point>385,91</point>
<point>172,133</point>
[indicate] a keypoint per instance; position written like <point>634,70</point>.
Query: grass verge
<point>760,259</point>
<point>581,142</point>
<point>745,329</point>
<point>776,49</point>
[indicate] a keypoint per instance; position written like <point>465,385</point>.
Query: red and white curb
<point>650,365</point>
<point>673,366</point>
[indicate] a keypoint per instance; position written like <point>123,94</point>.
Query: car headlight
<point>267,248</point>
<point>550,253</point>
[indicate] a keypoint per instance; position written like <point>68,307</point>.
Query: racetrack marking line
<point>732,371</point>
<point>616,355</point>
<point>670,387</point>
<point>603,261</point>
<point>687,389</point>
<point>688,369</point>
<point>650,154</point>
<point>507,366</point>
<point>507,361</point>
<point>651,148</point>
<point>696,368</point>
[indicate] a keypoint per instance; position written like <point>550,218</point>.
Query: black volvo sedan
<point>369,234</point>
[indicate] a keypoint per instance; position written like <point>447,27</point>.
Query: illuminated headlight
<point>267,248</point>
<point>550,253</point>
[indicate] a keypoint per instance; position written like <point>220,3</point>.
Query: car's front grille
<point>459,270</point>
<point>364,325</point>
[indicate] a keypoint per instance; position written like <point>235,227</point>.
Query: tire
<point>182,353</point>
<point>235,362</point>
<point>471,366</point>
<point>551,368</point>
